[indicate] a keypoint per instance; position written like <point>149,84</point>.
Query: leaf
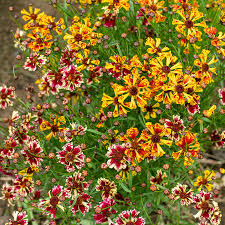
<point>94,131</point>
<point>125,188</point>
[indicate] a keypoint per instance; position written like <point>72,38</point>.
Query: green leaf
<point>125,188</point>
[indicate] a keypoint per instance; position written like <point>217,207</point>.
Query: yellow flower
<point>204,181</point>
<point>29,172</point>
<point>209,112</point>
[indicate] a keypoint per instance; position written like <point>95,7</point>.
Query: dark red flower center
<point>165,69</point>
<point>183,195</point>
<point>54,201</point>
<point>204,206</point>
<point>175,127</point>
<point>153,7</point>
<point>204,181</point>
<point>179,88</point>
<point>70,157</point>
<point>155,138</point>
<point>39,41</point>
<point>78,37</point>
<point>189,24</point>
<point>133,91</point>
<point>149,108</point>
<point>3,96</point>
<point>54,128</point>
<point>205,67</point>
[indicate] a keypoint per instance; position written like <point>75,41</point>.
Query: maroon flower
<point>107,187</point>
<point>6,94</point>
<point>117,156</point>
<point>19,218</point>
<point>222,95</point>
<point>8,193</point>
<point>23,186</point>
<point>104,210</point>
<point>34,61</point>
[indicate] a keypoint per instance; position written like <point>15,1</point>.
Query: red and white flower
<point>82,203</point>
<point>129,217</point>
<point>180,192</point>
<point>222,95</point>
<point>75,184</point>
<point>56,197</point>
<point>104,210</point>
<point>23,186</point>
<point>71,156</point>
<point>107,188</point>
<point>8,193</point>
<point>32,153</point>
<point>176,126</point>
<point>75,130</point>
<point>117,156</point>
<point>6,94</point>
<point>19,218</point>
<point>34,61</point>
<point>72,78</point>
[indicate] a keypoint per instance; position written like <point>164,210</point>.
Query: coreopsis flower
<point>30,16</point>
<point>117,101</point>
<point>205,181</point>
<point>87,63</point>
<point>110,138</point>
<point>181,192</point>
<point>75,184</point>
<point>216,214</point>
<point>7,150</point>
<point>19,135</point>
<point>6,96</point>
<point>104,210</point>
<point>222,95</point>
<point>72,78</point>
<point>118,4</point>
<point>152,138</point>
<point>81,204</point>
<point>176,127</point>
<point>158,179</point>
<point>135,88</point>
<point>205,72</point>
<point>34,61</point>
<point>81,33</point>
<point>189,24</point>
<point>54,127</point>
<point>164,65</point>
<point>19,218</point>
<point>39,41</point>
<point>154,46</point>
<point>134,149</point>
<point>56,197</point>
<point>217,139</point>
<point>193,108</point>
<point>67,57</point>
<point>94,75</point>
<point>29,172</point>
<point>189,146</point>
<point>151,11</point>
<point>23,186</point>
<point>58,26</point>
<point>32,153</point>
<point>71,157</point>
<point>208,210</point>
<point>118,68</point>
<point>209,112</point>
<point>219,43</point>
<point>108,188</point>
<point>150,110</point>
<point>8,193</point>
<point>129,217</point>
<point>118,158</point>
<point>75,130</point>
<point>186,5</point>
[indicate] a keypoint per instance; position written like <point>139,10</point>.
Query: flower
<point>222,95</point>
<point>176,127</point>
<point>29,172</point>
<point>180,192</point>
<point>8,193</point>
<point>34,61</point>
<point>158,179</point>
<point>23,186</point>
<point>71,156</point>
<point>129,217</point>
<point>6,94</point>
<point>150,110</point>
<point>209,112</point>
<point>189,146</point>
<point>205,72</point>
<point>32,153</point>
<point>107,188</point>
<point>204,181</point>
<point>152,138</point>
<point>154,46</point>
<point>75,184</point>
<point>117,156</point>
<point>135,88</point>
<point>19,218</point>
<point>104,210</point>
<point>54,127</point>
<point>56,196</point>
